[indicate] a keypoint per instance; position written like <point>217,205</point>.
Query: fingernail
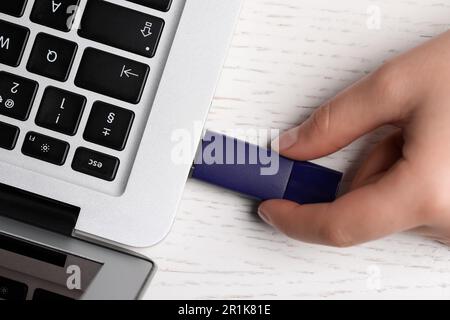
<point>264,216</point>
<point>285,141</point>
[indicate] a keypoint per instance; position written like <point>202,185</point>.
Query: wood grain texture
<point>287,57</point>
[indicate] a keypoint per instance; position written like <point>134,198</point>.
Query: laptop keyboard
<point>17,291</point>
<point>80,79</point>
<point>12,290</point>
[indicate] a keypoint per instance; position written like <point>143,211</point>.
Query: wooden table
<point>287,57</point>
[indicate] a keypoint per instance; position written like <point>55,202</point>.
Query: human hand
<point>404,184</point>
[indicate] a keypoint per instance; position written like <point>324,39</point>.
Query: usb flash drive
<point>261,173</point>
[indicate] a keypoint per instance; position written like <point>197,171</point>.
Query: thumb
<point>368,213</point>
<point>372,102</point>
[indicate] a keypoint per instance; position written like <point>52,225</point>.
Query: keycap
<point>56,14</point>
<point>121,27</point>
<point>16,96</point>
<point>112,75</point>
<point>52,57</point>
<point>13,39</point>
<point>44,295</point>
<point>13,7</point>
<point>45,148</point>
<point>12,290</point>
<point>95,164</point>
<point>8,136</point>
<point>108,125</point>
<point>161,5</point>
<point>60,111</point>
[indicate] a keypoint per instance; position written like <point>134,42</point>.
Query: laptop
<point>91,93</point>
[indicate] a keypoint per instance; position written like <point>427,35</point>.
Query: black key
<point>112,75</point>
<point>16,96</point>
<point>45,148</point>
<point>108,125</point>
<point>120,27</point>
<point>60,111</point>
<point>44,295</point>
<point>52,57</point>
<point>8,136</point>
<point>12,290</point>
<point>13,7</point>
<point>13,39</point>
<point>57,14</point>
<point>161,5</point>
<point>95,164</point>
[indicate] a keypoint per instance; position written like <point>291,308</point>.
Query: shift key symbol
<point>147,31</point>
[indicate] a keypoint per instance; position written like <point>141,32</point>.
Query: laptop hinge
<point>37,210</point>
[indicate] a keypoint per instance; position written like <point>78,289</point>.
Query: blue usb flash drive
<point>262,173</point>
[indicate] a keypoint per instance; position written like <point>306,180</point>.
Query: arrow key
<point>56,14</point>
<point>112,75</point>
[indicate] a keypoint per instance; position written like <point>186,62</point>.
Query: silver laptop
<point>91,93</point>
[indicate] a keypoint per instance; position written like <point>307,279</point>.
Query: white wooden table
<point>287,57</point>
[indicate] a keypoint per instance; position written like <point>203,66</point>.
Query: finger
<point>366,214</point>
<point>375,100</point>
<point>381,158</point>
<point>441,236</point>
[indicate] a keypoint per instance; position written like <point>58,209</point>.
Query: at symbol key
<point>16,96</point>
